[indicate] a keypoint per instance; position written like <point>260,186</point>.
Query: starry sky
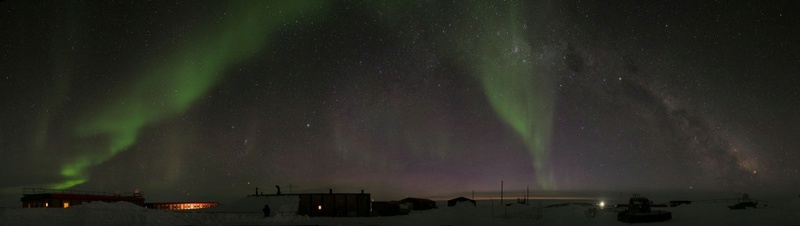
<point>190,100</point>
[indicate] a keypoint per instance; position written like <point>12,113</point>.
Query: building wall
<point>181,205</point>
<point>56,200</point>
<point>334,205</point>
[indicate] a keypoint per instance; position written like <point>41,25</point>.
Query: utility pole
<point>527,193</point>
<point>501,192</point>
<point>501,199</point>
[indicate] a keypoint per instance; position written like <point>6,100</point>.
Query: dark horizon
<point>510,196</point>
<point>198,99</point>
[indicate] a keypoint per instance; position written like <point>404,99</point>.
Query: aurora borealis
<point>201,100</point>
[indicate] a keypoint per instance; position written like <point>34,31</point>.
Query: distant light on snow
<point>602,205</point>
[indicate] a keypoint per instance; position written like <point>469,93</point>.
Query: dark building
<point>419,203</point>
<point>51,198</point>
<point>458,200</point>
<point>334,204</point>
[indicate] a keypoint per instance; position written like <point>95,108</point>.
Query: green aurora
<point>169,89</point>
<point>502,59</point>
<point>520,96</point>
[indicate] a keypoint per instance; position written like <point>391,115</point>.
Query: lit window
<point>66,204</point>
<point>319,207</point>
<point>47,204</point>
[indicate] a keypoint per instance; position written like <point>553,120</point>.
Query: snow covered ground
<point>247,212</point>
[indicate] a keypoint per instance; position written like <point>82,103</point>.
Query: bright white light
<point>319,207</point>
<point>602,204</point>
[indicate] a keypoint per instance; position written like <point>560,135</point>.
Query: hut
<point>419,203</point>
<point>458,200</point>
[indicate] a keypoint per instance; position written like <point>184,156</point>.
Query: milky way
<point>202,100</point>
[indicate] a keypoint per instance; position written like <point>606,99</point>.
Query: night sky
<point>191,100</point>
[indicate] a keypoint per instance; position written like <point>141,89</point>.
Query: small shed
<point>419,203</point>
<point>458,200</point>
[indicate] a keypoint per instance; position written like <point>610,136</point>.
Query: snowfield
<point>247,212</point>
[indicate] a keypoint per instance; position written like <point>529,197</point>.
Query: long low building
<point>180,205</point>
<point>52,198</point>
